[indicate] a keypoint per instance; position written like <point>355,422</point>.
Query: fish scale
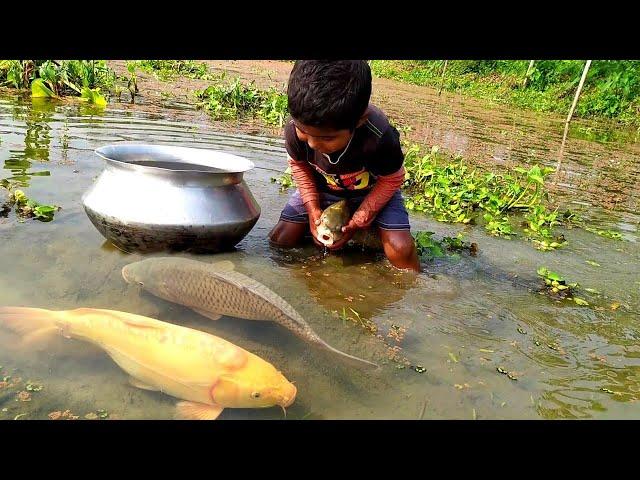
<point>217,289</point>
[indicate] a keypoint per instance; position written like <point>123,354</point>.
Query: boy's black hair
<point>332,94</point>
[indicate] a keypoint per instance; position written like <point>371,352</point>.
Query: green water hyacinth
<point>92,95</point>
<point>39,89</point>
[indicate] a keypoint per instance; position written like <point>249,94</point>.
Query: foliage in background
<point>236,99</point>
<point>50,78</point>
<point>169,69</point>
<point>612,88</point>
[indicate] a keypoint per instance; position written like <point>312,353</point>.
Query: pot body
<point>152,198</point>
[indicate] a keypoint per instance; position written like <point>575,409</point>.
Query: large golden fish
<point>208,373</point>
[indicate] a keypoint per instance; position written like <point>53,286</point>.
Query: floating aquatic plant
<point>28,208</point>
<point>430,248</point>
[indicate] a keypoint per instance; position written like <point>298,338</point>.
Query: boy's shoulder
<point>377,122</point>
<point>378,135</point>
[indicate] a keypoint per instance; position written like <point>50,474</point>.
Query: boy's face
<point>322,139</point>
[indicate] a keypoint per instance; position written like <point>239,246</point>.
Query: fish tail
<point>34,325</point>
<point>352,359</point>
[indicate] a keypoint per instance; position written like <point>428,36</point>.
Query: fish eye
<point>255,395</point>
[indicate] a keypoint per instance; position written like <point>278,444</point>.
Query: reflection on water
<point>464,321</point>
<point>37,140</point>
<point>599,170</point>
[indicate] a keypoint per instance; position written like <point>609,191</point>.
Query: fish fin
<point>204,313</point>
<point>40,337</point>
<point>43,329</point>
<point>37,328</point>
<point>197,411</point>
<point>351,358</point>
<point>138,384</point>
<point>224,265</point>
<point>24,320</point>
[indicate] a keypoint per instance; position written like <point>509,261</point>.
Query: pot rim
<point>205,157</point>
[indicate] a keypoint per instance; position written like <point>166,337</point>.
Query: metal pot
<point>155,197</point>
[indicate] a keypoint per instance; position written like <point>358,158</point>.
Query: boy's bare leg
<point>288,234</point>
<point>400,249</point>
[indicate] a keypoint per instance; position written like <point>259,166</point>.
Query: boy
<point>340,146</point>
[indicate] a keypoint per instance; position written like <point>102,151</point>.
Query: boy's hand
<point>314,220</point>
<point>347,232</point>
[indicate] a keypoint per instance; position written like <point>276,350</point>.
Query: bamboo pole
<point>573,106</point>
<point>444,69</point>
<point>526,75</point>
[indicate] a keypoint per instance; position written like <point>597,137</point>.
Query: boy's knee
<point>400,244</point>
<point>273,235</point>
<point>400,249</point>
<point>278,237</point>
<point>286,234</point>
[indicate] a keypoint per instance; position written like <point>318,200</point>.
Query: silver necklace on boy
<point>340,156</point>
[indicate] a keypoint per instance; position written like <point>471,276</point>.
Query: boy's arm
<point>303,175</point>
<point>386,186</point>
<point>302,172</point>
<point>306,183</point>
<point>389,158</point>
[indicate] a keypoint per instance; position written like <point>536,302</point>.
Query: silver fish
<point>336,216</point>
<point>216,289</point>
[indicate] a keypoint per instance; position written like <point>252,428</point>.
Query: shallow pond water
<point>462,319</point>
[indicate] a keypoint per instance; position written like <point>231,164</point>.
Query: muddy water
<point>598,173</point>
<point>460,320</point>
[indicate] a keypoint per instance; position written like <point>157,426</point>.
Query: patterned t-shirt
<point>373,150</point>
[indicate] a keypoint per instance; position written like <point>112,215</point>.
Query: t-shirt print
<point>349,181</point>
<point>374,150</point>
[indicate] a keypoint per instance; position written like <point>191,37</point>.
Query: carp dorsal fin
<point>224,265</point>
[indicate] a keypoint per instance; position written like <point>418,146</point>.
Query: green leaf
<point>40,90</point>
<point>93,96</point>
<point>44,209</point>
<point>580,301</point>
<point>591,262</point>
<point>554,276</point>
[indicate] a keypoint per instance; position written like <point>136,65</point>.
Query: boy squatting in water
<point>342,147</point>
